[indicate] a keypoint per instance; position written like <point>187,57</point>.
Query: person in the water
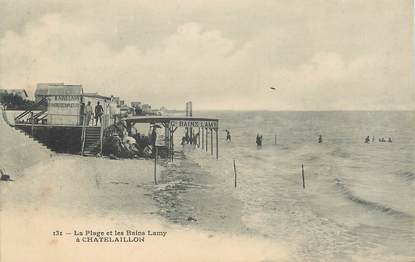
<point>373,138</point>
<point>320,139</point>
<point>390,140</point>
<point>259,140</point>
<point>228,135</point>
<point>367,140</point>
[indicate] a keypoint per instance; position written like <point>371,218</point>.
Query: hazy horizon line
<point>293,110</point>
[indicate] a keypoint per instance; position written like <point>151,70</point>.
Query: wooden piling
<point>206,139</point>
<point>217,145</point>
<point>275,140</point>
<point>101,135</point>
<point>234,171</point>
<point>172,145</point>
<point>191,114</point>
<point>203,138</point>
<point>302,173</point>
<point>155,167</point>
<point>211,142</point>
<point>198,139</point>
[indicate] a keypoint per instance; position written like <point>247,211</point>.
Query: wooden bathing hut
<point>60,125</point>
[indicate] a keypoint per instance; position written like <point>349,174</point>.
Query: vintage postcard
<point>196,130</point>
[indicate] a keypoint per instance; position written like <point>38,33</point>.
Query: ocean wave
<point>340,152</point>
<point>407,175</point>
<point>252,156</point>
<point>368,204</point>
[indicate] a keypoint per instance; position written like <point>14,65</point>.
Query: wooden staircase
<point>91,144</point>
<point>32,117</point>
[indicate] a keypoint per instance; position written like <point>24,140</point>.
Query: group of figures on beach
<point>87,114</point>
<point>122,142</point>
<point>381,139</point>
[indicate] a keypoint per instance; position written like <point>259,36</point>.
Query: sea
<point>358,200</point>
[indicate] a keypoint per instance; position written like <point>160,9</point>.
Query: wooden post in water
<point>302,173</point>
<point>191,129</point>
<point>217,144</point>
<point>206,140</point>
<point>155,166</point>
<point>211,142</point>
<point>187,114</point>
<point>234,170</point>
<point>275,139</point>
<point>172,145</point>
<point>169,141</point>
<point>198,139</point>
<point>203,138</point>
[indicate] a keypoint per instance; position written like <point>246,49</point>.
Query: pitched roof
<point>44,89</point>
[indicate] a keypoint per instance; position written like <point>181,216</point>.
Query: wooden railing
<point>17,118</point>
<point>83,136</point>
<point>101,135</point>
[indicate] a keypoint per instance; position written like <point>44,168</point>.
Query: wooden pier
<point>172,123</point>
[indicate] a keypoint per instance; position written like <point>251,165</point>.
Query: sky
<point>222,55</point>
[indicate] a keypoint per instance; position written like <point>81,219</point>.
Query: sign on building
<point>64,109</point>
<point>194,123</point>
<point>64,103</point>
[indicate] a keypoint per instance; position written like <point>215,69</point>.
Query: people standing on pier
<point>88,113</point>
<point>99,111</point>
<point>320,139</point>
<point>228,135</point>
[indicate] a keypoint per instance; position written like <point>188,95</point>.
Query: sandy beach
<point>58,192</point>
